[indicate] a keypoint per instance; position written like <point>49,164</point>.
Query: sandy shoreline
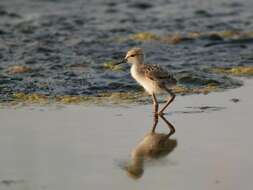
<point>82,147</point>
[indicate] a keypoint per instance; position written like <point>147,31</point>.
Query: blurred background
<point>56,48</point>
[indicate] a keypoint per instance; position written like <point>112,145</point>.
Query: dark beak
<point>120,62</point>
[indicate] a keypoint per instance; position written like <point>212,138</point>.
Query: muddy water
<point>66,43</point>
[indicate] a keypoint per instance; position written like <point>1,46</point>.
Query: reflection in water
<point>153,146</point>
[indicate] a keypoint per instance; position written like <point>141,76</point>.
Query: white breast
<point>149,85</point>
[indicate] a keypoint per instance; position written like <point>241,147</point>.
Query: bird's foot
<point>160,114</point>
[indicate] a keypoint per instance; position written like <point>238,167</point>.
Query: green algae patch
<point>171,38</point>
<point>18,69</point>
<point>177,38</point>
<point>125,97</point>
<point>71,99</point>
<point>99,99</point>
<point>230,34</point>
<point>194,35</point>
<point>114,98</point>
<point>227,34</point>
<point>196,90</point>
<point>30,98</point>
<point>144,36</point>
<point>206,90</point>
<point>236,71</point>
<point>41,99</point>
<point>110,65</point>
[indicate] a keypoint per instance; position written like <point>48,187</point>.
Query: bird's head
<point>133,56</point>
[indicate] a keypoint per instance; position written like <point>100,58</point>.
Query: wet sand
<point>80,147</point>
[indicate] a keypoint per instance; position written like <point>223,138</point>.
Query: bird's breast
<point>137,75</point>
<point>149,85</point>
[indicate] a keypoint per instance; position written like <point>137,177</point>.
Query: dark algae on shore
<point>63,51</point>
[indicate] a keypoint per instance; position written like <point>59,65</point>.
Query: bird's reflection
<point>152,147</point>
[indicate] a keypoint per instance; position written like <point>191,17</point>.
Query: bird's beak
<point>122,61</point>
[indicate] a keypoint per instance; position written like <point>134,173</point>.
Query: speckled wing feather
<point>157,73</point>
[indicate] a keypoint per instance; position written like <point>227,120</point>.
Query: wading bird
<point>154,79</point>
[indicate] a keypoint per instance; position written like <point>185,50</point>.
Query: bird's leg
<point>172,129</point>
<point>155,104</point>
<point>155,111</point>
<point>168,102</point>
<point>161,114</point>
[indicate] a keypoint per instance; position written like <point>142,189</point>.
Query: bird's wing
<point>156,73</point>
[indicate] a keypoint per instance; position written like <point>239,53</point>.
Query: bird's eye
<point>132,55</point>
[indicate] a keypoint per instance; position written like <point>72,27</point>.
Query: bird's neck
<point>137,64</point>
<point>136,70</point>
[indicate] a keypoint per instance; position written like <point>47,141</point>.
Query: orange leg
<point>168,102</point>
<point>172,128</point>
<point>161,113</point>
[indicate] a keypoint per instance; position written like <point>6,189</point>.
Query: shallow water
<point>89,147</point>
<point>66,43</point>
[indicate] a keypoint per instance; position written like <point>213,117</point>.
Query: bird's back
<point>159,74</point>
<point>153,78</point>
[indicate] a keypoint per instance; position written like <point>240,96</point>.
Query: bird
<point>154,79</point>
